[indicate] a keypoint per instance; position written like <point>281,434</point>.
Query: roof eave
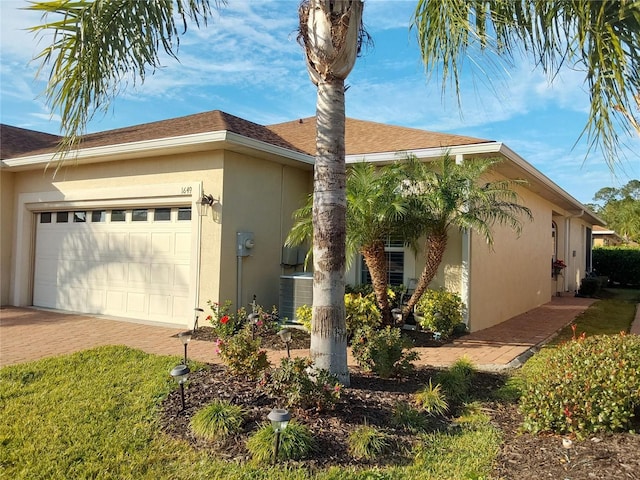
<point>222,139</point>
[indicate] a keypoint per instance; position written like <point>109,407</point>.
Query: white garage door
<point>132,263</point>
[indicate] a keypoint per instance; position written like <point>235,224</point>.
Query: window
<point>79,217</point>
<point>139,215</point>
<point>45,217</point>
<point>394,250</point>
<point>62,217</point>
<point>98,216</point>
<point>118,216</point>
<point>162,215</point>
<point>184,213</point>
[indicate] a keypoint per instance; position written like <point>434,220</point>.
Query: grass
<point>94,414</point>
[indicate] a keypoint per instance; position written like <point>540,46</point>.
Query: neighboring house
<point>603,237</point>
<point>121,228</point>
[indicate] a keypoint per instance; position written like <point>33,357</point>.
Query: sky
<point>247,62</point>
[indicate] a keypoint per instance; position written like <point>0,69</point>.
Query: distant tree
<point>620,208</point>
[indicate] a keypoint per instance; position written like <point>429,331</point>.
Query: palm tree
<point>600,38</point>
<point>375,211</point>
<point>447,195</point>
<point>332,33</point>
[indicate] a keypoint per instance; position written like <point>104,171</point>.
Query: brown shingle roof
<point>362,136</point>
<point>15,141</point>
<point>299,135</point>
<point>213,121</point>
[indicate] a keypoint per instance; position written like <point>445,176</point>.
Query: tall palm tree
<point>446,195</point>
<point>332,33</point>
<point>375,211</point>
<point>599,38</point>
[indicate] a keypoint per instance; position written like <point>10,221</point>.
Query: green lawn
<point>94,415</point>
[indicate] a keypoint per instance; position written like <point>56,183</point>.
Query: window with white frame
<point>394,250</point>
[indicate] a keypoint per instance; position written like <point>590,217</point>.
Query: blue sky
<point>247,63</point>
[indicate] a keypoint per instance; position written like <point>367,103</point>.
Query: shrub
<point>620,264</point>
<point>385,352</point>
<point>266,322</point>
<point>367,442</point>
<point>242,354</point>
<point>296,443</point>
<point>303,315</point>
<point>589,385</point>
<point>432,399</point>
<point>298,385</point>
<point>456,381</point>
<point>589,286</point>
<point>439,311</point>
<point>406,417</point>
<point>224,323</point>
<point>217,420</point>
<point>361,312</point>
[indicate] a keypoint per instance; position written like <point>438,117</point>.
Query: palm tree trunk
<point>376,260</point>
<point>435,245</point>
<point>328,327</point>
<point>330,32</point>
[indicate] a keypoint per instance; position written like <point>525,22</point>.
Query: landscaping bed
<point>371,399</point>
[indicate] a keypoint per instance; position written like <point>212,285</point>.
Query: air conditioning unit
<point>296,290</point>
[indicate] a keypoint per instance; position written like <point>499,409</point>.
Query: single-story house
<point>604,237</point>
<point>151,221</point>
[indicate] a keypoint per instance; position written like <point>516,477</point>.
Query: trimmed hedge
<point>621,265</point>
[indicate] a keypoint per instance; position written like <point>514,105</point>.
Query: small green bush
<point>242,354</point>
<point>296,443</point>
<point>218,420</point>
<point>432,399</point>
<point>385,352</point>
<point>439,311</point>
<point>589,286</point>
<point>589,385</point>
<point>298,385</point>
<point>456,380</point>
<point>303,315</point>
<point>361,312</point>
<point>406,417</point>
<point>367,442</point>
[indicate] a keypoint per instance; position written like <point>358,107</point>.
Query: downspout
<point>239,282</point>
<point>567,244</point>
<point>465,283</point>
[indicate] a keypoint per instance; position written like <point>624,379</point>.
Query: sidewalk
<point>29,334</point>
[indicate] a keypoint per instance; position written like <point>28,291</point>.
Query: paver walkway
<point>28,334</point>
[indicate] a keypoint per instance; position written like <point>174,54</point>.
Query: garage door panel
<point>160,305</point>
<point>161,243</point>
<point>139,244</point>
<point>181,276</point>
<point>116,272</point>
<point>118,242</point>
<point>138,273</point>
<point>182,243</point>
<point>161,275</point>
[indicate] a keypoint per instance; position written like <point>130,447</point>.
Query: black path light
<point>253,319</point>
<point>198,311</point>
<point>279,418</point>
<point>180,374</point>
<point>285,335</point>
<point>185,338</point>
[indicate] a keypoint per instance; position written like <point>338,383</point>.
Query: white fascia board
<point>547,182</point>
<point>196,141</point>
<point>387,157</point>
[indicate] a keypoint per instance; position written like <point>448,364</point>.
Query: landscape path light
<point>279,418</point>
<point>185,338</point>
<point>253,319</point>
<point>285,335</point>
<point>180,374</point>
<point>197,311</point>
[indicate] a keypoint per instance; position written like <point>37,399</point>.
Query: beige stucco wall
<point>6,222</point>
<point>259,197</point>
<point>254,195</point>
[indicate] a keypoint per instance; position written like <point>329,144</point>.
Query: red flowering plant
<point>224,323</point>
<point>557,266</point>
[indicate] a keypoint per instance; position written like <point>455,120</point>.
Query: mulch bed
<point>371,400</point>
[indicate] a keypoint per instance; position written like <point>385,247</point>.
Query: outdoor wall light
<point>180,374</point>
<point>279,418</point>
<point>285,335</point>
<point>185,338</point>
<point>207,200</point>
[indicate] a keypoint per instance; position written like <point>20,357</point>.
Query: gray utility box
<point>296,290</point>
